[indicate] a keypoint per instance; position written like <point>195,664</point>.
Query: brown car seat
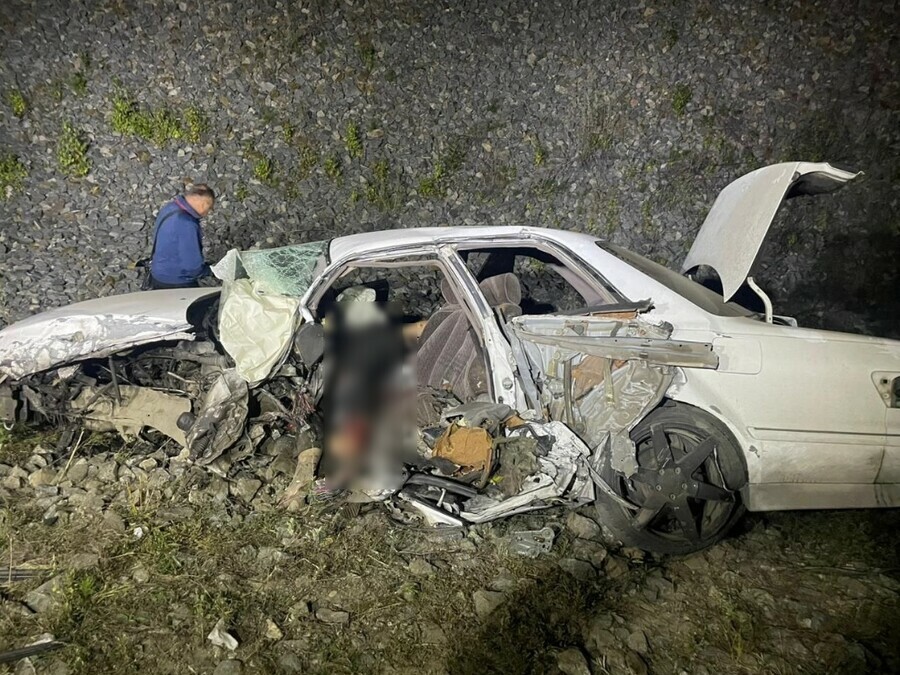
<point>450,355</point>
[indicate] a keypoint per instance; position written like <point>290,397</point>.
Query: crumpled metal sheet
<point>96,328</point>
<point>562,470</point>
<point>618,400</point>
<point>137,408</point>
<point>220,422</point>
<point>66,339</point>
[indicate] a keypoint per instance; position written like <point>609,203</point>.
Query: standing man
<point>177,257</point>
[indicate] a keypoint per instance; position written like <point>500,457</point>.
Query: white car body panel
<point>95,328</point>
<point>736,226</point>
<point>812,410</point>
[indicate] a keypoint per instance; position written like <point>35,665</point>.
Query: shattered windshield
<point>288,270</point>
<point>696,293</point>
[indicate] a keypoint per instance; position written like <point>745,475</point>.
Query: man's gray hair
<point>201,190</point>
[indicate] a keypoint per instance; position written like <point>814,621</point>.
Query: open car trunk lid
<point>96,328</point>
<point>736,226</point>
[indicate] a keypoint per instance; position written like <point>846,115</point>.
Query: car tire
<point>691,469</point>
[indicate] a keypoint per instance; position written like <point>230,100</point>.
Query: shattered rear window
<point>689,289</point>
<point>288,270</point>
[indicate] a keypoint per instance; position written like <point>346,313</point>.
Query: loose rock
<point>582,526</point>
<point>487,601</point>
<point>572,662</point>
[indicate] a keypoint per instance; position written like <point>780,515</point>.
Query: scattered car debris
<point>220,637</point>
<point>46,643</point>
<point>532,543</point>
<point>519,403</point>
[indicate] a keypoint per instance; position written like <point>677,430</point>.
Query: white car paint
<point>95,328</point>
<point>736,225</point>
<point>805,405</point>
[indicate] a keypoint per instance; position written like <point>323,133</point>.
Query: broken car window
<point>413,292</point>
<point>545,282</point>
<point>287,270</point>
<point>701,296</point>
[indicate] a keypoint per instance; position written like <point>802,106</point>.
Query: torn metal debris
<point>460,375</point>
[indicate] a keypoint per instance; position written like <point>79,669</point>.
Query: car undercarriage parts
<point>221,420</point>
<point>532,543</point>
<point>133,409</point>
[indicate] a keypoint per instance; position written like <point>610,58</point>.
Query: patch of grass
<point>681,96</point>
<point>540,152</point>
<point>455,153</point>
<point>612,216</point>
<point>12,175</point>
<point>333,168</point>
<point>353,140</point>
<point>264,170</point>
<point>71,152</point>
<point>287,132</point>
<point>309,157</point>
<point>382,189</point>
<point>241,192</point>
<point>367,54</point>
<point>497,178</point>
<point>158,126</point>
<point>432,186</point>
<point>197,124</point>
<point>547,188</point>
<point>600,127</point>
<point>78,83</point>
<point>670,37</point>
<point>17,103</point>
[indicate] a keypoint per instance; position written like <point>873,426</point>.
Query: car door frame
<point>503,382</point>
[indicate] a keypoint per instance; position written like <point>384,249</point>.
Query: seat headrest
<point>502,289</point>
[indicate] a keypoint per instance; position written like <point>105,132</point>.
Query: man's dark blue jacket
<point>178,244</point>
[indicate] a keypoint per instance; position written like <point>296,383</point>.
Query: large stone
<point>637,640</point>
<point>47,596</point>
<point>108,471</point>
<point>487,601</point>
<point>572,662</point>
<point>12,482</point>
<point>78,471</point>
<point>581,570</point>
<point>326,615</point>
<point>43,476</point>
<point>582,526</point>
<point>304,475</point>
<point>245,489</point>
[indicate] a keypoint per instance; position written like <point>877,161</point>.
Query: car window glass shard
<point>288,270</point>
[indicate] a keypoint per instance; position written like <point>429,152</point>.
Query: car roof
<point>356,244</point>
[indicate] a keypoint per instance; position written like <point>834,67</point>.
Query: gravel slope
<point>614,119</point>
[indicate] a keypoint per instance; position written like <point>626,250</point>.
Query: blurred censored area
<point>401,349</point>
<point>370,387</point>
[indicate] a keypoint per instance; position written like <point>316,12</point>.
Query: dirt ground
<point>133,575</point>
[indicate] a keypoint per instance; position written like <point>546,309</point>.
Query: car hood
<point>96,328</point>
<point>736,226</point>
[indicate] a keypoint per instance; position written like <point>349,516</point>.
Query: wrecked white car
<point>553,368</point>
